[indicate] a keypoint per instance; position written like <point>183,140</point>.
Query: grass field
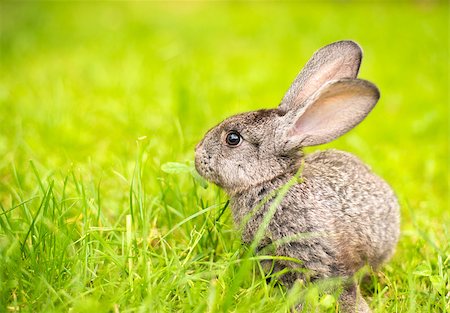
<point>96,97</point>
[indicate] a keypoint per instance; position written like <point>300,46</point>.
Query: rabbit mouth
<point>203,166</point>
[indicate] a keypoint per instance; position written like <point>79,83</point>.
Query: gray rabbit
<point>351,213</point>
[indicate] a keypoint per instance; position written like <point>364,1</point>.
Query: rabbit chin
<point>235,177</point>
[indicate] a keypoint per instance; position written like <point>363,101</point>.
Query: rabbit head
<point>324,102</point>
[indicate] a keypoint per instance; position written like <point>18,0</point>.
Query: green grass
<point>95,97</point>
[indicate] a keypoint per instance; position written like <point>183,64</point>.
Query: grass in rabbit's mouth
<point>95,97</point>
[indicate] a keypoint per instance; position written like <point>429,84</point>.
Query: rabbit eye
<point>233,138</point>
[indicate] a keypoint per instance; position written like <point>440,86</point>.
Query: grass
<point>96,97</point>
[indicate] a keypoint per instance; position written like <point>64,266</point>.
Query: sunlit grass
<point>96,97</point>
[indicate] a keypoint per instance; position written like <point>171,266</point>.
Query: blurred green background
<point>82,82</point>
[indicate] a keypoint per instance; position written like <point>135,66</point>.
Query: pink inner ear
<point>332,113</point>
<point>318,119</point>
<point>339,68</point>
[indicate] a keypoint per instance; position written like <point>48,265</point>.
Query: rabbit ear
<point>333,110</point>
<point>338,60</point>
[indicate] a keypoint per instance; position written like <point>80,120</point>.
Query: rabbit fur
<point>350,214</point>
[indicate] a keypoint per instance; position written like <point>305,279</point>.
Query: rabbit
<point>353,213</point>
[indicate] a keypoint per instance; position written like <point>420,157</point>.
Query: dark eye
<point>233,138</point>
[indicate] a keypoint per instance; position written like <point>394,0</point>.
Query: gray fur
<point>340,59</point>
<point>350,216</point>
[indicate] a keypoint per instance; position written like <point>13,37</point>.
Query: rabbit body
<point>340,215</point>
<point>348,214</point>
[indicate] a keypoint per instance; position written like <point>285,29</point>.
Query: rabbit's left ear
<point>333,110</point>
<point>335,61</point>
